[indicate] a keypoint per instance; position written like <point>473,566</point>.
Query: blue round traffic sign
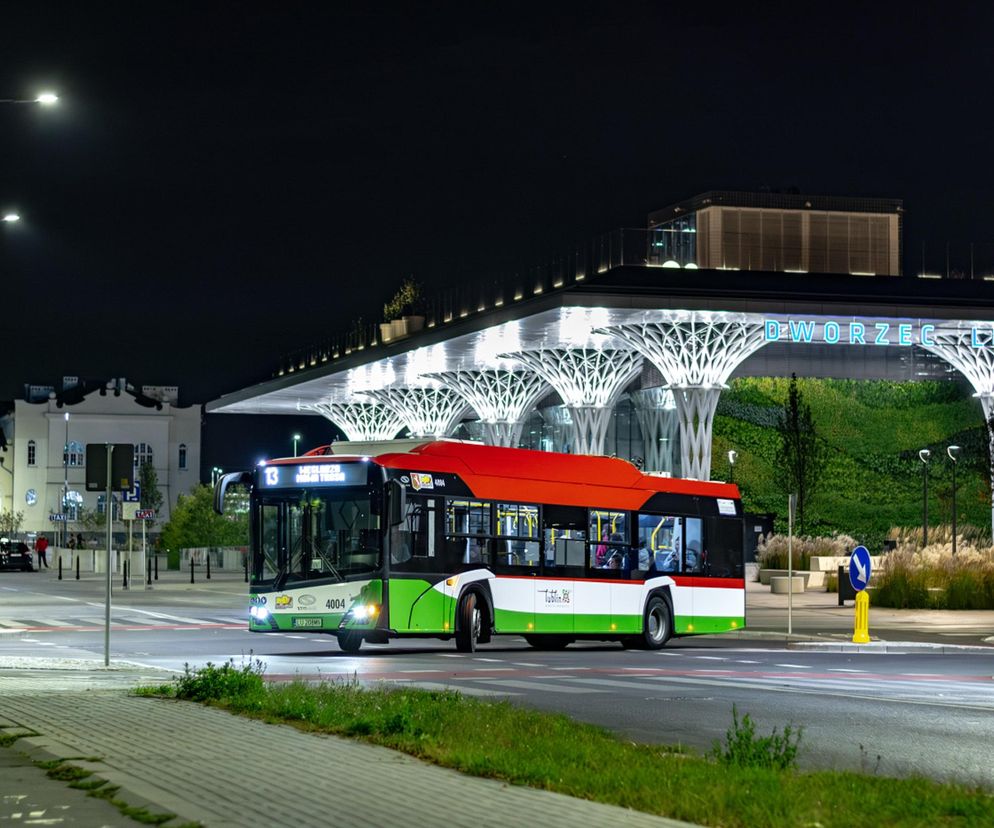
<point>859,568</point>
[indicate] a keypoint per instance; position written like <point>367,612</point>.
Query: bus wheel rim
<point>656,624</point>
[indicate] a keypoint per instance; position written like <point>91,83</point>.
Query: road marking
<point>451,655</point>
<point>526,664</point>
<point>577,668</point>
<point>493,670</point>
<point>468,691</point>
<point>713,658</point>
<point>419,671</point>
<point>848,670</point>
<point>795,666</point>
<point>746,661</point>
<point>538,685</point>
<point>497,660</point>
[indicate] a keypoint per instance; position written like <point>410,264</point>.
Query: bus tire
<point>657,624</point>
<point>468,623</point>
<point>349,642</point>
<point>549,642</point>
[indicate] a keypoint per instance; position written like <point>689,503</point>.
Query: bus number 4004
<point>335,603</point>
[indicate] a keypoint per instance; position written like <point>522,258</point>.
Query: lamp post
<point>296,439</point>
<point>65,486</point>
<point>10,217</point>
<point>953,452</point>
<point>43,99</point>
<point>732,457</point>
<point>216,473</point>
<point>923,455</point>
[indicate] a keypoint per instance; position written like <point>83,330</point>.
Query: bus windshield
<point>317,534</point>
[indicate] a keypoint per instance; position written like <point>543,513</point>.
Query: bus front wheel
<point>350,642</point>
<point>657,625</point>
<point>469,623</point>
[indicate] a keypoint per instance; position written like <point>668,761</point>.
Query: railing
<point>627,246</point>
<point>955,260</point>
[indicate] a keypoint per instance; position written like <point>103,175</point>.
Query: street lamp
<point>46,98</point>
<point>65,486</point>
<point>953,452</point>
<point>732,457</point>
<point>923,455</point>
<point>296,439</point>
<point>11,217</point>
<point>216,473</point>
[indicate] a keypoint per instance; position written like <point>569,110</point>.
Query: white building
<point>47,447</point>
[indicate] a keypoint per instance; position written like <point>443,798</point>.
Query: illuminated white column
<point>589,381</point>
<point>655,409</point>
<point>426,412</point>
<point>969,348</point>
<point>501,398</point>
<point>696,352</point>
<point>358,420</point>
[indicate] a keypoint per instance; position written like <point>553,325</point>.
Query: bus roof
<point>494,472</point>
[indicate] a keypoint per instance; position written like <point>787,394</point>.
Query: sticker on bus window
<point>421,481</point>
<point>726,506</point>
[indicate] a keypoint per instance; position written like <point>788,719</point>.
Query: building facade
<point>46,449</point>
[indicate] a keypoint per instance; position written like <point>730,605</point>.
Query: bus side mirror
<point>225,480</point>
<point>398,502</point>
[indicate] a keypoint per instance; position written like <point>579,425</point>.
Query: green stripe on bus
<point>416,607</point>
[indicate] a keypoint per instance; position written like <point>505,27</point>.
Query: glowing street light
<point>11,217</point>
<point>732,457</point>
<point>953,452</point>
<point>45,98</point>
<point>296,439</point>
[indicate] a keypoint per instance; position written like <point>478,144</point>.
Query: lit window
<point>32,453</point>
<point>73,454</point>
<point>182,455</point>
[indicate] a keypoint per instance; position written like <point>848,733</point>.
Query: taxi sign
<point>859,568</point>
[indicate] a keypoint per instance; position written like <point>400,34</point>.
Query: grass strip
<point>553,752</point>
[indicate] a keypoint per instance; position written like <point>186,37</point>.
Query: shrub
<point>934,578</point>
<point>214,683</point>
<point>771,553</point>
<point>744,748</point>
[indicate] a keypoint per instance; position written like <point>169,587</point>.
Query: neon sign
<point>869,332</point>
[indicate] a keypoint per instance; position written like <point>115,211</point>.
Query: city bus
<point>456,540</point>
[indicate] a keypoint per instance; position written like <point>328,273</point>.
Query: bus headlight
<point>362,613</point>
<point>259,613</point>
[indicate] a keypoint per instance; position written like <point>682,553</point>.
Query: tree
<point>195,523</point>
<point>10,522</point>
<point>151,497</point>
<point>802,452</point>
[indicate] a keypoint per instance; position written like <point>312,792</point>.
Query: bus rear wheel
<point>657,624</point>
<point>350,642</point>
<point>469,623</point>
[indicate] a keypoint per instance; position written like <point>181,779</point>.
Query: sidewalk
<point>205,765</point>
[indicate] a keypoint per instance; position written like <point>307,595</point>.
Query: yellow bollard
<point>861,634</point>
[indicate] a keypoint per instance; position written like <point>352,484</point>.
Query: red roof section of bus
<point>547,477</point>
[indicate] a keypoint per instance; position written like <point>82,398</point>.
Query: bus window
<point>467,534</point>
<point>414,538</point>
<point>660,542</point>
<point>724,548</point>
<point>266,565</point>
<point>694,555</point>
<point>608,533</point>
<point>565,547</point>
<point>517,535</point>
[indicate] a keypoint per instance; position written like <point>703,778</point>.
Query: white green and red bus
<point>448,539</point>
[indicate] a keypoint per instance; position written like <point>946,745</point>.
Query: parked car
<point>15,555</point>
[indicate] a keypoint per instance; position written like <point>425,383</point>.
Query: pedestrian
<point>79,540</point>
<point>41,547</point>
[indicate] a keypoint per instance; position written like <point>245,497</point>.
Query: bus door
<point>564,536</point>
<point>517,562</point>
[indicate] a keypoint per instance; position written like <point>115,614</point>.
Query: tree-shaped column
<point>426,412</point>
<point>696,352</point>
<point>501,398</point>
<point>359,420</point>
<point>589,381</point>
<point>655,409</point>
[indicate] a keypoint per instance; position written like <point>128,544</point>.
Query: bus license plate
<point>306,622</point>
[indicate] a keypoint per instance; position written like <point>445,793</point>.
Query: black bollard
<point>124,570</point>
<point>156,559</point>
<point>148,567</point>
<point>191,569</point>
<point>77,567</point>
<point>208,566</point>
<point>60,566</point>
<point>246,568</point>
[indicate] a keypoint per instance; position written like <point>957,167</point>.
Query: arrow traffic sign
<point>859,568</point>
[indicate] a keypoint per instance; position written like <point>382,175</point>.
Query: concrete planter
<point>781,584</point>
<point>386,331</point>
<point>766,576</point>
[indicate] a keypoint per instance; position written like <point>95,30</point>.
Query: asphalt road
<point>917,712</point>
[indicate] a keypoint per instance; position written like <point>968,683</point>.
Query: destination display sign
<point>311,475</point>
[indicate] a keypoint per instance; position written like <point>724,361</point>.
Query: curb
<point>891,647</point>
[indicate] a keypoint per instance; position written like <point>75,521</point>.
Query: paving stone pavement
<point>207,765</point>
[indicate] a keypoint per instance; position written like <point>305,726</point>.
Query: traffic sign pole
<point>109,511</point>
<point>860,567</point>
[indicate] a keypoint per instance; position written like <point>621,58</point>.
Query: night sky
<point>224,182</point>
